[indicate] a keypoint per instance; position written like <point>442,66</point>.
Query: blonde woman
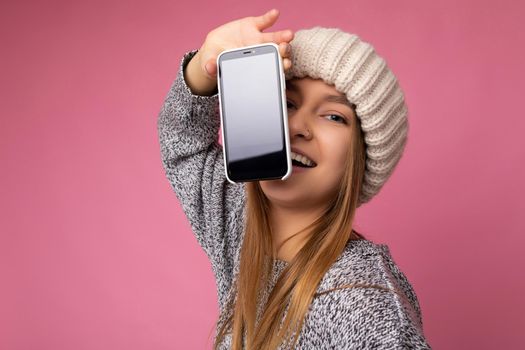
<point>291,271</point>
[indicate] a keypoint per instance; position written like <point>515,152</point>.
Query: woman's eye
<point>335,118</point>
<point>339,118</point>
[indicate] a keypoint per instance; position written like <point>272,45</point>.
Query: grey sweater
<point>350,318</point>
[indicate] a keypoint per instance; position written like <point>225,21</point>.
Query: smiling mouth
<point>302,161</point>
<point>301,165</point>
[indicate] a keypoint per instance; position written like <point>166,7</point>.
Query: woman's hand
<point>201,72</point>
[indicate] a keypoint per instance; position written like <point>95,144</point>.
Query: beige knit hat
<point>353,67</point>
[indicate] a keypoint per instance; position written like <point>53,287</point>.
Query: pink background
<point>95,252</point>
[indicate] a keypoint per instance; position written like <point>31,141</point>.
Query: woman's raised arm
<point>188,126</point>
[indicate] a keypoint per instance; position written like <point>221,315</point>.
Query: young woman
<point>290,270</point>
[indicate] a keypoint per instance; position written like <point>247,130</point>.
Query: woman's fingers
<point>267,20</point>
<point>278,37</point>
<point>285,50</point>
<point>287,64</point>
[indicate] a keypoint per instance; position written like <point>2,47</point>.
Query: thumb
<point>211,68</point>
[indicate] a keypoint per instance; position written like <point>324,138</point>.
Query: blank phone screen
<point>252,116</point>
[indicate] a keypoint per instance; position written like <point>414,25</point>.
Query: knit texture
<point>351,318</point>
<point>355,69</point>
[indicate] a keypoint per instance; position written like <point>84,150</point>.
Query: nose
<point>299,126</point>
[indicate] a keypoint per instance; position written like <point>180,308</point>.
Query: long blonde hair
<point>296,286</point>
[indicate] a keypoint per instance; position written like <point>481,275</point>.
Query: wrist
<point>199,82</point>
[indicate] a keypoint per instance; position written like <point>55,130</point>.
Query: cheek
<point>334,153</point>
<point>334,147</point>
<point>332,171</point>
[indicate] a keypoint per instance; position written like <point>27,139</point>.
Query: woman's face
<point>319,120</point>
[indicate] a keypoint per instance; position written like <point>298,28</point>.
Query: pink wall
<point>95,252</point>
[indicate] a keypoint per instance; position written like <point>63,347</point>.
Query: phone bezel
<point>282,86</point>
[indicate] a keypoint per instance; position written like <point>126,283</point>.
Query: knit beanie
<point>354,68</point>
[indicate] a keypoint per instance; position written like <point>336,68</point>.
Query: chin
<point>274,188</point>
<point>278,191</point>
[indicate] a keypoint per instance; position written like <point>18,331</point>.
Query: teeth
<point>301,159</point>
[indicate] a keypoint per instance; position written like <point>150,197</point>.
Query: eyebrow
<point>329,98</point>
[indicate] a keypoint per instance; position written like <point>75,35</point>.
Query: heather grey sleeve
<point>363,318</point>
<point>396,279</point>
<point>192,158</point>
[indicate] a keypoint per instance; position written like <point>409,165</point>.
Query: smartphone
<point>253,112</point>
